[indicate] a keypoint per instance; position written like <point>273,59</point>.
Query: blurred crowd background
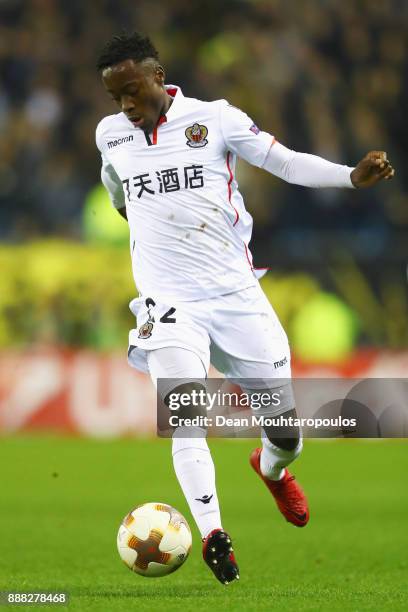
<point>323,76</point>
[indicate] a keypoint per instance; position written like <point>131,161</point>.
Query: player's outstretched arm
<point>313,171</point>
<point>374,167</point>
<point>259,148</point>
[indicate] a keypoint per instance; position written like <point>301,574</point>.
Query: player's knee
<point>286,437</point>
<point>187,400</point>
<point>288,444</point>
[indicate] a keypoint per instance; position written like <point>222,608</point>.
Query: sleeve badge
<point>255,129</point>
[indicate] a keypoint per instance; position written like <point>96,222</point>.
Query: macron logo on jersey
<point>119,141</point>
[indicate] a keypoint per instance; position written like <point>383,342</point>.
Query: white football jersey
<point>189,230</point>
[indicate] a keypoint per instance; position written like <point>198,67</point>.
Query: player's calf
<point>280,446</point>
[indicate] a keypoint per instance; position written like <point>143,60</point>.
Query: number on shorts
<point>166,318</point>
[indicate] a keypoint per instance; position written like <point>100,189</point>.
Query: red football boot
<point>288,495</point>
<point>219,556</point>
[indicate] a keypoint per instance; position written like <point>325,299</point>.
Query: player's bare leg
<point>270,463</point>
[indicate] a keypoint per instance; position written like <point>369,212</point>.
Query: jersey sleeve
<point>242,136</point>
<point>306,169</point>
<point>109,177</point>
<point>112,184</point>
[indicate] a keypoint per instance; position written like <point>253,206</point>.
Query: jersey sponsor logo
<point>196,136</point>
<point>119,141</point>
<point>279,364</point>
<point>166,181</point>
<point>255,129</point>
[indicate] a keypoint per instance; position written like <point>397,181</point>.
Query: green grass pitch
<point>62,501</point>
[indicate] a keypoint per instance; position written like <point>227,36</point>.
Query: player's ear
<point>160,75</point>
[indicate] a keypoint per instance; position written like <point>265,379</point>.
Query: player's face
<point>138,89</point>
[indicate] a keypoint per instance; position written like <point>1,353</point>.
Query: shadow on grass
<point>145,592</point>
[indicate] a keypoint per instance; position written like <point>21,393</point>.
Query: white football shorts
<point>239,333</point>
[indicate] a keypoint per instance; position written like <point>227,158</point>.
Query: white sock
<point>275,459</point>
<point>195,471</point>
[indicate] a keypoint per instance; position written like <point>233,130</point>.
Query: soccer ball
<point>154,539</point>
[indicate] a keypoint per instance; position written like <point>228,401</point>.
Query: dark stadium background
<point>325,77</point>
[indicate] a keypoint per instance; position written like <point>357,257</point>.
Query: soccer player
<point>168,163</point>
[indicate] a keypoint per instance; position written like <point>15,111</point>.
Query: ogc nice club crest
<point>145,330</point>
<point>196,136</point>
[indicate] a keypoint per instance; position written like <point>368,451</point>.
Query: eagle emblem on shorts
<point>145,330</point>
<point>196,135</point>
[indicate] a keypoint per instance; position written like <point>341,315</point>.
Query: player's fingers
<point>377,157</point>
<point>387,172</point>
<point>390,174</point>
<point>383,164</point>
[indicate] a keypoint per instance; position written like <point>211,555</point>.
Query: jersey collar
<point>175,92</point>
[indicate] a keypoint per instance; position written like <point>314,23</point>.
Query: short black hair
<point>124,46</point>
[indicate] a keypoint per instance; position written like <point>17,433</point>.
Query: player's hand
<point>374,167</point>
